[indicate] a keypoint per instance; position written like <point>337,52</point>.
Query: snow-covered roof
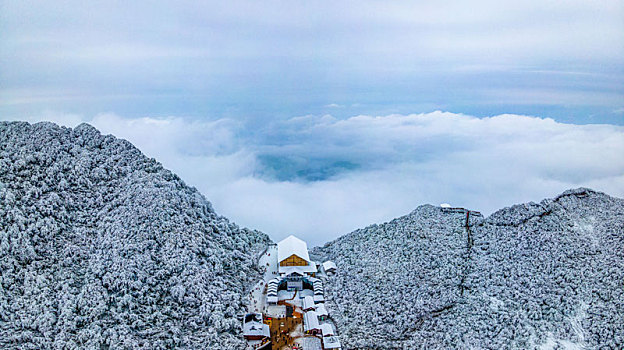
<point>274,281</point>
<point>310,343</point>
<point>321,310</point>
<point>329,265</point>
<point>310,321</point>
<point>285,294</point>
<point>255,328</point>
<point>272,299</point>
<point>318,287</point>
<point>319,298</point>
<point>302,270</point>
<point>331,342</point>
<point>308,303</point>
<point>445,205</point>
<point>292,245</point>
<point>327,329</point>
<point>272,288</point>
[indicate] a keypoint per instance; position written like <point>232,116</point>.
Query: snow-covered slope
<point>530,276</point>
<point>101,247</point>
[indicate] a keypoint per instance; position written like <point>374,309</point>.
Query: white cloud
<point>265,56</point>
<point>403,161</point>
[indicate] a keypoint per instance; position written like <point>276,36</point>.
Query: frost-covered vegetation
<point>548,275</point>
<point>101,247</point>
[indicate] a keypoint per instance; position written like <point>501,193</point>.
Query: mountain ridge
<point>102,247</point>
<point>526,276</point>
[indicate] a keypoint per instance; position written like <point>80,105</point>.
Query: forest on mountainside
<point>536,274</point>
<point>101,247</point>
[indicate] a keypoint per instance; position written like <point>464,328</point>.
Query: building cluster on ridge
<point>295,292</point>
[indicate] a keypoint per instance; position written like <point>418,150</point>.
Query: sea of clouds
<point>320,177</point>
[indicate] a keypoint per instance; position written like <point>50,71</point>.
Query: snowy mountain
<point>533,276</point>
<point>101,247</point>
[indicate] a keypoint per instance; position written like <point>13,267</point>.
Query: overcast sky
<point>316,118</point>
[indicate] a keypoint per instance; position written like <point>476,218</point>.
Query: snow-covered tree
<point>530,275</point>
<point>101,247</point>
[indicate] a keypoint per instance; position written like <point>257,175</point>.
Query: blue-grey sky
<point>260,60</point>
<point>315,118</point>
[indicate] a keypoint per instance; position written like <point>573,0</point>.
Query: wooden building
<point>294,261</point>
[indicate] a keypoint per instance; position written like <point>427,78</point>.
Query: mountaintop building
<point>293,258</point>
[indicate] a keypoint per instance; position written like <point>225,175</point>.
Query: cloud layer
<point>269,59</point>
<point>320,177</point>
